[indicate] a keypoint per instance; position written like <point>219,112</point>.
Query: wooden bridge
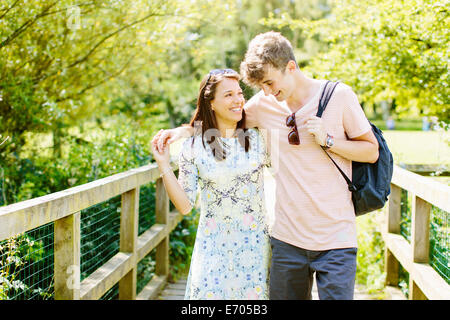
<point>63,209</point>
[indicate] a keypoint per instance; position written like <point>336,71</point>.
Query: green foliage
<point>386,50</point>
<point>15,255</point>
<point>97,79</point>
<point>182,241</point>
<point>63,63</point>
<point>84,86</point>
<point>370,259</point>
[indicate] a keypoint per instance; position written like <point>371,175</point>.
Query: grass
<point>401,125</point>
<point>419,147</point>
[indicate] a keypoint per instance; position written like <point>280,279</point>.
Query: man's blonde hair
<point>269,48</point>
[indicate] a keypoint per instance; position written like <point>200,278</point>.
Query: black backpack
<point>371,182</point>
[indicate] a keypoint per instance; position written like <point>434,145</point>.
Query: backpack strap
<point>323,102</point>
<point>325,97</point>
<point>350,185</point>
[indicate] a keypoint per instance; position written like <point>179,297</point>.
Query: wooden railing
<point>424,281</point>
<point>63,208</point>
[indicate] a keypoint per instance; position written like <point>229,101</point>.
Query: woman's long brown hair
<point>206,116</point>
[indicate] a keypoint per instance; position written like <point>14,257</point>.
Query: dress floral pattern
<point>230,259</point>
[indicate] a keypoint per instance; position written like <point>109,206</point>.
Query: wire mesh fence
<point>26,265</point>
<point>405,207</point>
<point>27,261</point>
<point>439,257</point>
<point>100,235</point>
<point>440,242</point>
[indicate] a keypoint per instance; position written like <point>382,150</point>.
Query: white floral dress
<point>230,259</point>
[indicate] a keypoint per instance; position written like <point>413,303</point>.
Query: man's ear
<point>291,66</point>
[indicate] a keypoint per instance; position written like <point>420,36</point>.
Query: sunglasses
<point>293,136</point>
<point>219,71</point>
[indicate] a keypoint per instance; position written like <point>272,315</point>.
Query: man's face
<point>277,83</point>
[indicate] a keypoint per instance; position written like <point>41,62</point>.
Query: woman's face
<point>228,101</point>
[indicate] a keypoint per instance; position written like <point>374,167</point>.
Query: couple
<point>314,230</point>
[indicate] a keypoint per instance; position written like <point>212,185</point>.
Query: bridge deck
<point>175,291</point>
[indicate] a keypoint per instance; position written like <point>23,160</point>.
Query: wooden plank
<point>153,236</point>
<point>420,230</point>
<point>426,278</point>
<point>129,223</point>
<point>153,288</point>
<point>67,257</point>
<point>170,291</point>
<point>425,169</point>
<point>162,257</point>
<point>162,216</point>
<point>392,225</point>
<point>101,280</point>
<point>26,215</point>
<point>430,282</point>
<point>400,248</point>
<point>174,218</point>
<point>393,211</point>
<point>391,267</point>
<point>174,291</point>
<point>150,239</point>
<point>425,188</point>
<point>414,291</point>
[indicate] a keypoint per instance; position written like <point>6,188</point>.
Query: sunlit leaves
<point>386,50</point>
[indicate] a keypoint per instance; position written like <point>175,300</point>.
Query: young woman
<point>230,259</point>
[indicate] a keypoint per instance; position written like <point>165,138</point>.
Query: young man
<point>314,230</point>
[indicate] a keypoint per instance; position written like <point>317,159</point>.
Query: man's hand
<point>315,127</point>
<point>165,137</point>
<point>363,148</point>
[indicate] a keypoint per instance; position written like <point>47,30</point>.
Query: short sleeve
<point>261,146</point>
<point>251,114</point>
<point>354,120</point>
<point>265,150</point>
<point>188,171</point>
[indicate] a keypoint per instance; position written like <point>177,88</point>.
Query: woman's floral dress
<point>230,259</point>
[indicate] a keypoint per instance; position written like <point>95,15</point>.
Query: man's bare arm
<point>168,136</point>
<point>362,149</point>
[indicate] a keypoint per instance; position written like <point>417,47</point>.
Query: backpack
<point>371,182</point>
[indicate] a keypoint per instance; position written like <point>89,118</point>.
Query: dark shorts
<point>292,270</point>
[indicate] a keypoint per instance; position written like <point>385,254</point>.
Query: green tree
<point>65,62</point>
<point>386,50</point>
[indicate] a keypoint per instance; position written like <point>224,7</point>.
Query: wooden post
<point>420,239</point>
<point>393,219</point>
<point>67,257</point>
<point>162,216</point>
<point>420,230</point>
<point>414,291</point>
<point>129,219</point>
<point>391,267</point>
<point>394,214</point>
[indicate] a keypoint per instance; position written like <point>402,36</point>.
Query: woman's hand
<point>162,158</point>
